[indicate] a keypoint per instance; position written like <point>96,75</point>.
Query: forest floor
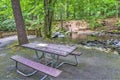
<point>93,65</point>
<point>9,40</point>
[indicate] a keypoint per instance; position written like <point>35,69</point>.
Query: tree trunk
<point>67,10</point>
<point>22,36</point>
<point>46,20</point>
<point>61,19</point>
<point>49,11</point>
<point>74,13</point>
<point>117,9</point>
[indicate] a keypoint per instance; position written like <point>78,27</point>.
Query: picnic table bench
<point>37,66</point>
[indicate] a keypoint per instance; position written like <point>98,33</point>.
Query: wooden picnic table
<point>56,49</point>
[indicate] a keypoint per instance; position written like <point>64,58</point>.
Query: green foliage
<point>94,24</point>
<point>118,23</point>
<point>116,31</point>
<point>33,12</point>
<point>7,25</point>
<point>33,24</point>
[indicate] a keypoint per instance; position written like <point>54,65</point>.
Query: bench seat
<point>76,53</point>
<point>37,66</point>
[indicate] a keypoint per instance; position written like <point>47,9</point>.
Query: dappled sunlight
<point>42,45</point>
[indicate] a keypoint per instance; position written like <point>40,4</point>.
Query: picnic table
<point>55,50</point>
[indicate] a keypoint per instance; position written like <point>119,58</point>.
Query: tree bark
<point>49,11</point>
<point>61,18</point>
<point>22,36</point>
<point>67,10</point>
<point>74,13</point>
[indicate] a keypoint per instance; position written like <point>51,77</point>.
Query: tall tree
<point>22,36</point>
<point>67,9</point>
<point>49,12</point>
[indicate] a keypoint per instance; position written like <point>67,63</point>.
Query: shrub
<point>118,24</point>
<point>94,24</point>
<point>7,25</point>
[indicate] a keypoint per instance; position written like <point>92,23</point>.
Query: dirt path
<point>7,40</point>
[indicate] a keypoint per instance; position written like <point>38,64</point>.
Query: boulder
<point>58,34</point>
<point>118,44</point>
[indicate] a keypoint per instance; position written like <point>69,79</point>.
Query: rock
<point>112,44</point>
<point>61,36</point>
<point>96,43</point>
<point>58,34</point>
<point>55,34</point>
<point>118,44</point>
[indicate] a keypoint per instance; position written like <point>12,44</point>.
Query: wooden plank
<point>64,48</point>
<point>61,50</point>
<point>38,66</point>
<point>76,53</point>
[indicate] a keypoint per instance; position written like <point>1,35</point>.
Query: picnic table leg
<point>57,65</point>
<point>74,64</point>
<point>39,57</point>
<point>45,76</point>
<point>76,61</point>
<point>20,72</point>
<point>54,63</point>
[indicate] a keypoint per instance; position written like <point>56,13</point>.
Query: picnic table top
<point>58,49</point>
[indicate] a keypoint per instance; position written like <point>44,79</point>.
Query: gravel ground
<point>8,40</point>
<point>93,65</point>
